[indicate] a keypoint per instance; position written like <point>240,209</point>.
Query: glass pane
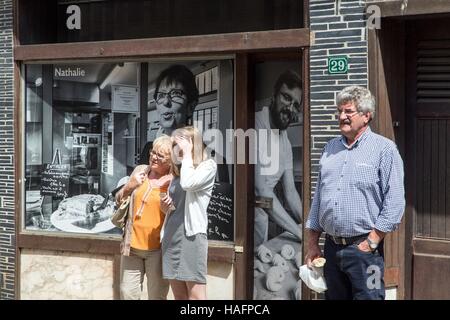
<point>207,104</point>
<point>278,180</point>
<point>82,138</point>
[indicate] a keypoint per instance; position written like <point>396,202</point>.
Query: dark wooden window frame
<point>397,8</point>
<point>387,82</point>
<point>238,44</point>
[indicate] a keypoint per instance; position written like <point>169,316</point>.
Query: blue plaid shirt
<point>359,188</point>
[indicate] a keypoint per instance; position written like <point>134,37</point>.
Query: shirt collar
<point>362,137</point>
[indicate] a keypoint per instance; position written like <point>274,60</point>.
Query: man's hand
<point>313,252</point>
<point>364,246</point>
<point>375,236</point>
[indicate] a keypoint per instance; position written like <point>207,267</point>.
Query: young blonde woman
<point>184,236</point>
<point>140,248</point>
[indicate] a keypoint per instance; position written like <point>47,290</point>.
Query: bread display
<point>82,206</point>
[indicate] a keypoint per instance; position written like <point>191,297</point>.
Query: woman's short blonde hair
<point>163,145</point>
<point>199,153</point>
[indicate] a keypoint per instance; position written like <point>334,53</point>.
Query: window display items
<point>84,213</point>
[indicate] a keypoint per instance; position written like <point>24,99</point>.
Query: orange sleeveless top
<point>147,217</point>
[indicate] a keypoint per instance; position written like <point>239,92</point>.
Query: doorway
<point>428,155</point>
<point>409,73</point>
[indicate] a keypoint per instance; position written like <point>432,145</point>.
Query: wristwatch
<point>372,245</point>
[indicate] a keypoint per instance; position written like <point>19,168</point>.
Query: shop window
<point>211,111</point>
<point>74,144</point>
<point>83,138</point>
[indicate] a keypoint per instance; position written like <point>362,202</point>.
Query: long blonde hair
<point>199,153</point>
<point>163,144</point>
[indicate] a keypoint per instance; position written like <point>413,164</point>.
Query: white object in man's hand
<point>312,279</point>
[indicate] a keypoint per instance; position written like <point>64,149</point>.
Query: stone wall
<point>53,275</point>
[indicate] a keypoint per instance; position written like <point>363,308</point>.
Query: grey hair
<point>362,98</point>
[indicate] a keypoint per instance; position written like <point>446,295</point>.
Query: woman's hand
<point>185,145</point>
<point>137,179</point>
<point>166,204</point>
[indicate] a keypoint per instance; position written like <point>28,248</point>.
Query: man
<point>276,119</point>
<point>359,198</point>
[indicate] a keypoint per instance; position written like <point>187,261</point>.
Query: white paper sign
<point>125,99</point>
<point>108,144</point>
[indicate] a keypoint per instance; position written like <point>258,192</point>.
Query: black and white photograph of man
<point>278,209</point>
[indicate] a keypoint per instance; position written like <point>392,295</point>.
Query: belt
<point>347,240</point>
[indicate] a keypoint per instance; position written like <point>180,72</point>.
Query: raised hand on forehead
<point>184,143</point>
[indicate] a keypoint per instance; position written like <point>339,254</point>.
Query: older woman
<point>140,247</point>
<point>184,236</point>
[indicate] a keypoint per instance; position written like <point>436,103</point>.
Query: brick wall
<point>339,27</point>
<point>7,223</point>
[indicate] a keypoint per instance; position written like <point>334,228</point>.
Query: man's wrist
<point>313,238</point>
<point>372,244</point>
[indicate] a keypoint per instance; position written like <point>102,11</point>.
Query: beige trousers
<point>132,271</point>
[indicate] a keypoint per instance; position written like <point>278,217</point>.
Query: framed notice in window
<point>125,99</point>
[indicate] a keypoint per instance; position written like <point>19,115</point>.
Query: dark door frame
<point>386,82</point>
<point>388,72</point>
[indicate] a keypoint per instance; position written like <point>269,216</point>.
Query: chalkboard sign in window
<point>55,180</point>
<point>221,213</point>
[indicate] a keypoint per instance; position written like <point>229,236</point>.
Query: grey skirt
<point>185,258</point>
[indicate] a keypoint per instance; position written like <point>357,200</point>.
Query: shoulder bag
<point>120,215</point>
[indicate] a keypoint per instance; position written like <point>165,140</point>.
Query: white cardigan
<point>198,184</point>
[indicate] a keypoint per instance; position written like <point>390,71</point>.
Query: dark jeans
<point>352,274</point>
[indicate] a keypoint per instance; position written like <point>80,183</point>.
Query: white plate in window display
<point>72,214</point>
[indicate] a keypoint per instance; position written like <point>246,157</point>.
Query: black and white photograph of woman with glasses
<point>176,97</point>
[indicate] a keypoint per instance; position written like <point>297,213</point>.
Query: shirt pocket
<point>365,176</point>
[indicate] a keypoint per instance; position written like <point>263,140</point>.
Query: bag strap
<point>147,193</point>
<point>144,198</point>
<point>170,184</point>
